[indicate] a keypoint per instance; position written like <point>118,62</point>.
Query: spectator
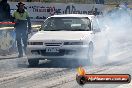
<point>21,17</point>
<point>4,10</point>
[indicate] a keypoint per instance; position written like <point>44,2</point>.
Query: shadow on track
<point>57,64</point>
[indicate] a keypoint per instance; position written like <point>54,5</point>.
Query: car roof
<point>74,15</point>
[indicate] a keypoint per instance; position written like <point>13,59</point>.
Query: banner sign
<point>39,11</point>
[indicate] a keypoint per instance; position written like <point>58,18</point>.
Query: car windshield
<point>67,24</point>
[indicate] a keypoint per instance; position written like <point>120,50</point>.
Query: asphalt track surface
<point>15,72</point>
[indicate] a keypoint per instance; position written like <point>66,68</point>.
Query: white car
<point>67,36</point>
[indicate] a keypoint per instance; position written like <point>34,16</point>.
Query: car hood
<point>60,35</point>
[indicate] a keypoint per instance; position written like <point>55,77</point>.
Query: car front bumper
<point>67,52</point>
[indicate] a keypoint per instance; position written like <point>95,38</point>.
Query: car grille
<point>53,44</point>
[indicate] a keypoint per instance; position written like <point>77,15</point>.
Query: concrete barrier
<point>7,41</point>
<point>8,36</point>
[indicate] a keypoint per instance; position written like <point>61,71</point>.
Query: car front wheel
<point>33,62</point>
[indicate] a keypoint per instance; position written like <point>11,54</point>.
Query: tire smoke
<point>116,29</point>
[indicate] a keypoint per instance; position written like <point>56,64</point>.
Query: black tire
<point>33,62</point>
<point>90,53</point>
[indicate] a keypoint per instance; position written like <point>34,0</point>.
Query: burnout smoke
<point>114,40</point>
<point>117,26</point>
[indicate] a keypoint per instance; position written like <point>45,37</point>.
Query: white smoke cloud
<point>116,25</point>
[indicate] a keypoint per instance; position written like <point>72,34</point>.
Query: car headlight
<point>35,43</point>
<point>73,43</point>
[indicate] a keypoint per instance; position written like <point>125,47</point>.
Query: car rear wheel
<point>33,62</point>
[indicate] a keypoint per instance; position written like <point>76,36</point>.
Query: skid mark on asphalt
<point>28,76</point>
